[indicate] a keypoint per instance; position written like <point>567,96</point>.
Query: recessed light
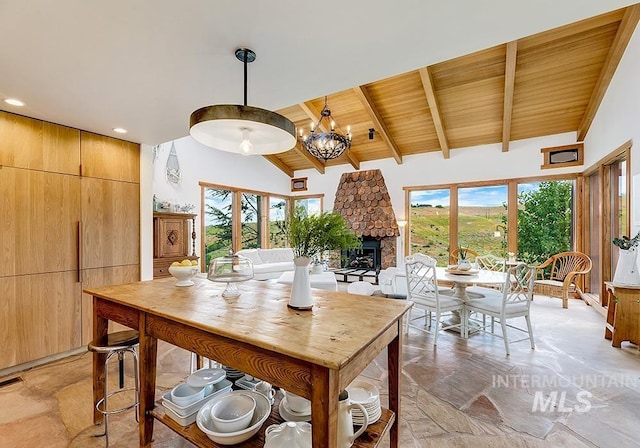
<point>14,102</point>
<point>120,130</point>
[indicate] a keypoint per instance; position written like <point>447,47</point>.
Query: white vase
<point>627,269</point>
<point>301,298</point>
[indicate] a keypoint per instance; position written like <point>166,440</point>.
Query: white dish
<point>363,392</point>
<point>204,377</point>
<point>182,420</point>
<point>291,416</point>
<point>232,412</point>
<point>183,411</point>
<point>260,415</point>
<point>185,395</point>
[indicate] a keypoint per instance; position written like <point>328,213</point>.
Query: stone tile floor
<point>573,390</point>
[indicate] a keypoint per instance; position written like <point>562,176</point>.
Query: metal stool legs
<point>117,344</point>
<point>103,404</point>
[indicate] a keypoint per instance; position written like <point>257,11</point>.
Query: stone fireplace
<point>362,198</point>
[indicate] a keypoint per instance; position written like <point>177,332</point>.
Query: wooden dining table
<point>314,353</point>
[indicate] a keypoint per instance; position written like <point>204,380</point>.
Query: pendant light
<point>242,129</point>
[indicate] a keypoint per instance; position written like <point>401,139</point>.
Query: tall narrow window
<point>619,221</point>
<point>277,216</point>
<point>218,216</point>
<point>482,219</point>
<point>430,223</point>
<point>251,221</point>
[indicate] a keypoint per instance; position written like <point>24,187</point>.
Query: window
<point>277,217</point>
<point>251,221</point>
<point>218,211</point>
<point>482,219</point>
<point>312,204</point>
<point>429,231</point>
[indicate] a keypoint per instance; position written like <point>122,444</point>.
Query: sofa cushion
<point>251,254</point>
<point>274,267</point>
<point>276,255</point>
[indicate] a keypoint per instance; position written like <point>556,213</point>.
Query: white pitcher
<point>346,436</point>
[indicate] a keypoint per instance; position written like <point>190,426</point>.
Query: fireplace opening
<point>368,256</point>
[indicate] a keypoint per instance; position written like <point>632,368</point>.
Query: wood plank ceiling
<point>548,83</point>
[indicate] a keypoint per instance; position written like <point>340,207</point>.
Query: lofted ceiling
<point>146,65</point>
<point>548,83</point>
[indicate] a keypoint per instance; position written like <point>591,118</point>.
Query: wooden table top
<point>339,326</point>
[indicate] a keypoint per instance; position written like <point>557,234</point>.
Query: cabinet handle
<point>79,251</point>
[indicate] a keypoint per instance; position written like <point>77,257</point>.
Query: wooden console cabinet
<point>174,239</point>
<point>623,315</point>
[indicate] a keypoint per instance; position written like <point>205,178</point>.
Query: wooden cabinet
<point>61,231</point>
<point>39,316</point>
<point>623,314</point>
<point>173,240</point>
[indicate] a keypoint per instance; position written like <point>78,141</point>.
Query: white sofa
<point>269,263</point>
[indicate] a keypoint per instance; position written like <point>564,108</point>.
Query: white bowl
<point>183,274</point>
<point>260,415</point>
<point>232,413</point>
<point>184,395</point>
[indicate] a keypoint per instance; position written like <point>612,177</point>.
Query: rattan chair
<point>567,270</point>
<point>455,253</point>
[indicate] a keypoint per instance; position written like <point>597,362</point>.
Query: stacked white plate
<point>233,374</point>
<point>367,394</point>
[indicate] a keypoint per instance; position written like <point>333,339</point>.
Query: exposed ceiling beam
<point>317,164</point>
<point>509,82</point>
<point>280,164</point>
<point>625,31</point>
<point>314,114</point>
<point>378,123</point>
<point>429,91</point>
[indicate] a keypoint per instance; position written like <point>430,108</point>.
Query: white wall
<point>618,120</point>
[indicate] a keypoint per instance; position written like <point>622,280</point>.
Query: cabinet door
<point>39,316</point>
<point>109,158</point>
<point>110,223</point>
<point>40,214</point>
<point>93,278</point>
<point>38,145</point>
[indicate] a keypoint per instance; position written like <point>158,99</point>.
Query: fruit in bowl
<point>184,271</point>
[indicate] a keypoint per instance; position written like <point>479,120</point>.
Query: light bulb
<point>496,234</point>
<point>246,147</point>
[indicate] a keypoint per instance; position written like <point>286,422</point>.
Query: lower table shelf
<point>370,438</point>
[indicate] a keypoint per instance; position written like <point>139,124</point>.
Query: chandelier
<point>240,128</point>
<point>325,145</point>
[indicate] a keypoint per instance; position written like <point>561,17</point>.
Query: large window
<point>251,221</point>
<point>312,204</point>
<point>482,219</point>
<point>545,218</point>
<point>534,219</point>
<point>429,231</point>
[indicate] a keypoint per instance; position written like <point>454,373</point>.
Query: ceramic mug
<point>296,403</point>
<point>265,389</point>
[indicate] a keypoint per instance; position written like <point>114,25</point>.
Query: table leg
<point>148,354</point>
<point>100,329</point>
<point>324,407</point>
<point>394,366</point>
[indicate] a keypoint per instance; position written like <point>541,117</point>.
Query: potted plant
<point>310,236</point>
<point>627,269</point>
<point>463,262</point>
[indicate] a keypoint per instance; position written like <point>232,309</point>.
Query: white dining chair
<point>512,302</point>
<point>423,291</point>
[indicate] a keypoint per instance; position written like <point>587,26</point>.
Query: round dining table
<point>462,281</point>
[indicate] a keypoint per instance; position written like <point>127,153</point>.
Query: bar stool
<point>116,344</point>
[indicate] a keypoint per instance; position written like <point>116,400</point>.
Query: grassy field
<point>476,227</point>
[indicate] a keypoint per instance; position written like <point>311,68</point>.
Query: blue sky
<point>492,196</point>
